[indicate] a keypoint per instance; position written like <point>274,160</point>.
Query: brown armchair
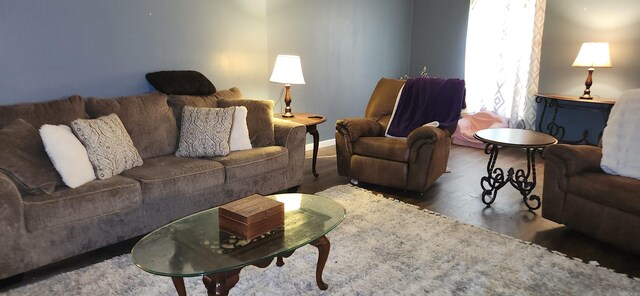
<point>365,154</point>
<point>578,194</point>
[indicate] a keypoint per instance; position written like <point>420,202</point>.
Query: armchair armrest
<point>561,162</point>
<point>425,135</point>
<point>575,158</point>
<point>12,227</point>
<point>292,136</point>
<point>354,128</point>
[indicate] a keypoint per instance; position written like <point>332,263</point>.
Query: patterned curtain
<point>504,40</point>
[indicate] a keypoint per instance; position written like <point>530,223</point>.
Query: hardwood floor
<point>455,195</point>
<point>458,195</point>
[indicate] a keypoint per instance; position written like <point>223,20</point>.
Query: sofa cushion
<point>259,119</point>
<point>24,160</point>
<point>185,82</point>
<point>609,190</point>
<point>93,199</point>
<point>205,132</point>
<point>382,147</point>
<point>177,103</point>
<point>62,111</point>
<point>147,118</point>
<point>109,147</point>
<point>232,93</point>
<point>171,177</point>
<point>246,163</point>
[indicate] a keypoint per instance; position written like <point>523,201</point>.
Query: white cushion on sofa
<point>239,139</point>
<point>67,154</point>
<point>621,138</point>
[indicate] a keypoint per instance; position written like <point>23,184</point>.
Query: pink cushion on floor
<point>471,123</point>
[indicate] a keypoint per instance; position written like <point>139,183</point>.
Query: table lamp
<point>287,70</point>
<point>592,55</point>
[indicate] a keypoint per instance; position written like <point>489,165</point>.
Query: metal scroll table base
<point>519,179</point>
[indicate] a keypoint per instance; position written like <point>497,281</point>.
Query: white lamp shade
<point>593,54</point>
<point>288,70</point>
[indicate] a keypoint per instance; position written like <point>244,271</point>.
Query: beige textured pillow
<point>259,119</point>
<point>205,132</point>
<point>109,146</point>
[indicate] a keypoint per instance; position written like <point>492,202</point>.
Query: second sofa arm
<point>354,128</point>
<point>11,226</point>
<point>575,158</point>
<point>292,136</point>
<point>425,135</point>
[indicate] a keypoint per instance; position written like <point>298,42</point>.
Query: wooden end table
<point>310,121</point>
<point>533,142</point>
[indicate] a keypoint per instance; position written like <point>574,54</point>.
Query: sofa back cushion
<point>62,111</point>
<point>383,99</point>
<point>147,118</point>
<point>24,160</point>
<point>177,103</point>
<point>232,93</point>
<point>259,119</point>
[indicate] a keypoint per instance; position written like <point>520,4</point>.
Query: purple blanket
<point>424,100</point>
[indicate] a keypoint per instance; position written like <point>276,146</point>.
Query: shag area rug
<point>383,247</point>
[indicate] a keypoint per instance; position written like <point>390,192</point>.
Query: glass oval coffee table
<point>533,142</point>
<point>195,246</point>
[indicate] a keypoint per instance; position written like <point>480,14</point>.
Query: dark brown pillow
<point>62,111</point>
<point>259,119</point>
<point>187,82</point>
<point>147,118</point>
<point>24,160</point>
<point>232,93</point>
<point>177,103</point>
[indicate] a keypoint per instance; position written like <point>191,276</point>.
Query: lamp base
<point>586,97</point>
<point>287,115</point>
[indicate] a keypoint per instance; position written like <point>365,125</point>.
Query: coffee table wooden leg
<point>323,246</point>
<point>221,283</point>
<point>280,261</point>
<point>178,283</point>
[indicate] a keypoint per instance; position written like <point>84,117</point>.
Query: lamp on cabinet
<point>592,55</point>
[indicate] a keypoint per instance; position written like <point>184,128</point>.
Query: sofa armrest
<point>12,228</point>
<point>575,158</point>
<point>292,136</point>
<point>428,156</point>
<point>354,128</point>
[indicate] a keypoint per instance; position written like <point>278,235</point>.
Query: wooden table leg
<point>312,129</point>
<point>323,246</point>
<point>178,283</point>
<point>220,283</point>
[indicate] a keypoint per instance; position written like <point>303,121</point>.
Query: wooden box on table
<point>251,216</point>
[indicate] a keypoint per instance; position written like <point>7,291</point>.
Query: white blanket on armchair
<point>621,137</point>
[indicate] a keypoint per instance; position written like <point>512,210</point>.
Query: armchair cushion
<point>382,147</point>
<point>609,190</point>
<point>354,128</point>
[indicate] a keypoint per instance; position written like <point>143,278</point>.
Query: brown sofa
<point>39,229</point>
<point>578,194</point>
<point>366,155</point>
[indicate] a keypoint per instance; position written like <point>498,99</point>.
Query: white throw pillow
<point>621,138</point>
<point>67,154</point>
<point>239,139</point>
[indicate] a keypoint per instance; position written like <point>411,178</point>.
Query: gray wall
<point>51,49</point>
<point>345,48</point>
<point>438,38</point>
<point>568,23</point>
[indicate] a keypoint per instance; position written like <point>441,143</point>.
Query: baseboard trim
<point>321,144</point>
